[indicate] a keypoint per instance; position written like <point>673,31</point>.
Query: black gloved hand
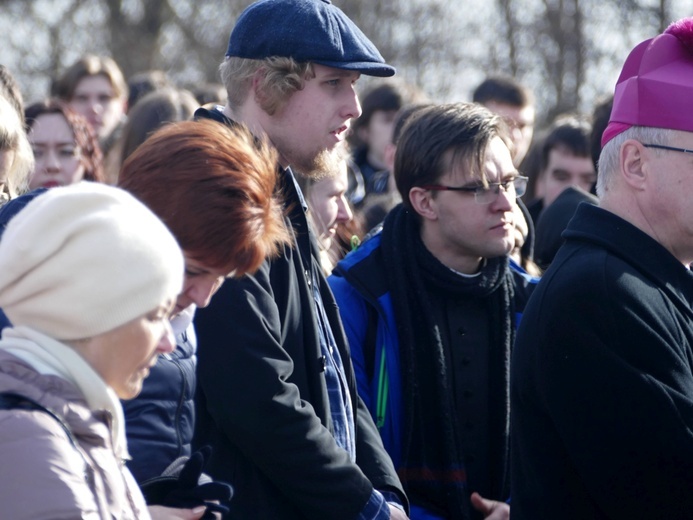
<point>187,487</point>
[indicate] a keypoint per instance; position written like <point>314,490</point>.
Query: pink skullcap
<point>655,87</point>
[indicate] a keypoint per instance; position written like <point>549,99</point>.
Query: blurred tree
<point>568,51</point>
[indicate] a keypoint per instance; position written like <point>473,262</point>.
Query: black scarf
<point>432,466</point>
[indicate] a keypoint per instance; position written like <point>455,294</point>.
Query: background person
<point>65,147</point>
<point>328,208</point>
<point>94,87</point>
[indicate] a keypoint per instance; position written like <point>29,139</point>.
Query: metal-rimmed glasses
<point>670,148</point>
<point>486,194</point>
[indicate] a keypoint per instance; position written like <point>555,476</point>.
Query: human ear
<point>423,203</point>
<point>634,163</point>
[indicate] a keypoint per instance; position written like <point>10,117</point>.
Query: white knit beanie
<point>81,260</point>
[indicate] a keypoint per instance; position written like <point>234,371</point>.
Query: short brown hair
<point>214,187</point>
<point>442,137</point>
<point>85,139</point>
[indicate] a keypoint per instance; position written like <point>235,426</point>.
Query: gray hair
<point>610,157</point>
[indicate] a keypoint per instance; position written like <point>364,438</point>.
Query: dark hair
<point>388,96</point>
<point>503,89</point>
<point>600,120</point>
<point>441,137</point>
<point>91,156</point>
<point>568,133</point>
<point>403,117</point>
<point>153,111</point>
<point>209,93</point>
<point>142,83</point>
<point>214,187</point>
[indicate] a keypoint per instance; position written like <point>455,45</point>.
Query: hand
<point>170,513</point>
<point>396,513</point>
<point>491,509</point>
<point>181,488</point>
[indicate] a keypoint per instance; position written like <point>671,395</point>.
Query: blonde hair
<point>280,79</point>
<point>13,138</point>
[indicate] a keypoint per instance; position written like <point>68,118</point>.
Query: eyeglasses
<point>487,194</point>
<point>670,148</point>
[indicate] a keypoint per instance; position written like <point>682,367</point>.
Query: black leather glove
<point>183,485</point>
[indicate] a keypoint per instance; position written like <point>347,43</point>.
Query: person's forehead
<point>496,161</point>
<point>50,125</point>
<point>517,114</point>
<point>94,84</point>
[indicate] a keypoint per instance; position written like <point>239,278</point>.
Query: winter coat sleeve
<point>44,476</point>
<point>260,377</point>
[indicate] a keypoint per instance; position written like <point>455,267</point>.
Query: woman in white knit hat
<point>88,277</point>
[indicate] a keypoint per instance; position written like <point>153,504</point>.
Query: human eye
<point>38,153</point>
<point>68,152</point>
<point>105,98</point>
<point>561,175</point>
<point>332,82</point>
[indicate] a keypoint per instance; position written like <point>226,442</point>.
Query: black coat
<point>602,380</point>
<point>262,401</point>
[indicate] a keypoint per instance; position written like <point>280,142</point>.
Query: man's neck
<point>464,264</point>
<point>248,116</point>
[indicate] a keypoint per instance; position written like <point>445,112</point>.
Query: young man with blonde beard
<point>277,396</point>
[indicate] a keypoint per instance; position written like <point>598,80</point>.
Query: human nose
<point>51,162</point>
<point>167,343</point>
<point>95,106</point>
<point>505,198</point>
<point>352,107</point>
<point>344,213</point>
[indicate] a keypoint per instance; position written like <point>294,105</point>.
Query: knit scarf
<point>432,466</point>
<point>48,356</point>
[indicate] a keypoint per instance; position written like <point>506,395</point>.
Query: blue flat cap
<point>305,30</point>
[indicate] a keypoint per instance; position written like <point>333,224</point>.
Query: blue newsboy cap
<point>305,30</point>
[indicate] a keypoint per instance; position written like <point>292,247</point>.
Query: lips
<point>340,132</point>
<point>503,225</point>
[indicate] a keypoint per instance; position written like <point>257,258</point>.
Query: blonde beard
<point>322,165</point>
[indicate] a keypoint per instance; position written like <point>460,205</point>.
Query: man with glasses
<point>429,306</point>
<point>602,371</point>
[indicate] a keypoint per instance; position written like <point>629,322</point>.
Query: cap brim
<point>368,68</point>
